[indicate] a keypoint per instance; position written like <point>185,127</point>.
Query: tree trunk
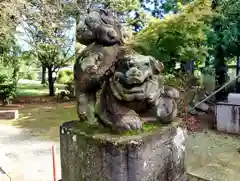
<point>221,74</point>
<point>237,74</point>
<point>51,82</point>
<point>15,75</point>
<point>220,64</point>
<point>187,67</point>
<point>43,75</point>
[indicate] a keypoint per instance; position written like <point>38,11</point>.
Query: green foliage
<point>225,36</point>
<point>187,84</point>
<point>183,83</point>
<point>7,89</point>
<point>122,6</point>
<point>10,63</point>
<point>178,37</point>
<point>52,56</point>
<point>48,36</point>
<point>64,76</point>
<point>70,88</point>
<point>10,14</point>
<point>68,93</point>
<point>173,80</point>
<point>173,5</point>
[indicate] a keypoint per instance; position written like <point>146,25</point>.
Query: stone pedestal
<point>155,155</point>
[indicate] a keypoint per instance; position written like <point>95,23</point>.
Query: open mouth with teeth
<point>128,92</point>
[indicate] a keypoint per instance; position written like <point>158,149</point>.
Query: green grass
<point>35,89</point>
<point>44,119</point>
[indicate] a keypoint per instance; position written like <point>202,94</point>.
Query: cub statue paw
<point>129,122</point>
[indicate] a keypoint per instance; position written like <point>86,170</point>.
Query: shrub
<point>64,76</point>
<point>7,89</point>
<point>68,93</point>
<point>187,84</point>
<point>70,88</point>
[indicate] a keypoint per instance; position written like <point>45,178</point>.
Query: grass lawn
<point>44,119</point>
<point>35,89</point>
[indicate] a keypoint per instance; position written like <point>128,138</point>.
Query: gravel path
<point>30,152</point>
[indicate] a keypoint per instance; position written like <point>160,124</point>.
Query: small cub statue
<point>134,93</point>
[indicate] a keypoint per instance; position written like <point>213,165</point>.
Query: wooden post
<point>54,164</point>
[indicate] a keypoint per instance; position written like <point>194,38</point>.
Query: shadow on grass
<point>45,119</point>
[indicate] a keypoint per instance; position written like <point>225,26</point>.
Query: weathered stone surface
<point>157,155</point>
<point>9,114</point>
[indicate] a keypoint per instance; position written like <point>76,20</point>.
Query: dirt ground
<point>31,154</point>
<point>213,155</point>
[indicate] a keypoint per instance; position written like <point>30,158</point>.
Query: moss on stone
<point>99,132</point>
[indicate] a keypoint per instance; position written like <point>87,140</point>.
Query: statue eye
<point>130,65</point>
<point>146,64</point>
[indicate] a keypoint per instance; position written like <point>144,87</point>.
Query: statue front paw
<point>129,123</point>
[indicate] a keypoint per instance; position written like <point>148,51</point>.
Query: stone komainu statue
<point>121,88</point>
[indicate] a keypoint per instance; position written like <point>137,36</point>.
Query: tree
<point>178,37</point>
<point>11,60</point>
<point>47,29</point>
<point>121,8</point>
<point>224,38</point>
<point>10,15</point>
<point>53,57</point>
<point>11,56</point>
